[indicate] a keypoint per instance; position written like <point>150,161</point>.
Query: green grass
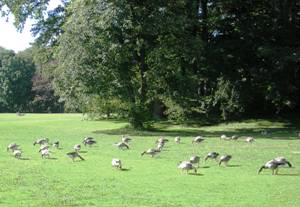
<point>148,181</point>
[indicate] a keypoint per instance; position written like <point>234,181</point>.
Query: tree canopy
<point>192,58</point>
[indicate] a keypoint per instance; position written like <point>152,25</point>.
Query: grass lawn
<point>147,181</point>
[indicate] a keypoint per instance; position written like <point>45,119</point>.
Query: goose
<point>234,137</point>
<point>12,147</point>
<point>45,153</point>
<point>122,145</point>
<point>271,164</point>
<point>224,137</point>
<point>249,139</point>
<point>160,146</point>
<point>56,144</point>
<point>186,165</point>
<point>195,160</point>
<point>177,140</point>
<point>225,159</point>
<point>125,139</point>
<point>43,147</point>
<point>161,140</point>
<point>77,147</point>
<point>212,155</point>
<point>151,152</point>
<point>87,138</point>
<point>73,155</point>
<point>198,139</point>
<point>116,163</point>
<point>89,142</point>
<point>17,153</point>
<point>274,165</point>
<point>282,161</point>
<point>42,141</point>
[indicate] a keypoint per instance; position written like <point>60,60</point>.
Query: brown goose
<point>177,140</point>
<point>275,164</point>
<point>151,152</point>
<point>116,163</point>
<point>186,165</point>
<point>198,139</point>
<point>212,155</point>
<point>122,145</point>
<point>73,155</point>
<point>195,160</point>
<point>12,147</point>
<point>225,159</point>
<point>89,142</point>
<point>41,141</point>
<point>17,153</point>
<point>125,139</point>
<point>56,144</point>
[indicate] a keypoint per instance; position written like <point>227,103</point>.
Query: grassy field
<point>147,181</point>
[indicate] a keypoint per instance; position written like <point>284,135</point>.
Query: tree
<point>15,81</point>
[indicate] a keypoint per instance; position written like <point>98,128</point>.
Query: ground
<point>146,181</point>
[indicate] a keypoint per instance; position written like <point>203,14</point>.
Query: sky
<point>11,39</point>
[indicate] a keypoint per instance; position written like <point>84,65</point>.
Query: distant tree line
<point>178,59</point>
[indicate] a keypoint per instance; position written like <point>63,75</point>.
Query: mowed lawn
<point>146,181</point>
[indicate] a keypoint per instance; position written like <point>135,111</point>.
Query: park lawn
<point>146,181</point>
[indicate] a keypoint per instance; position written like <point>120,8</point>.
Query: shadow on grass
<point>24,158</point>
<point>195,174</point>
<point>234,165</point>
<point>280,133</point>
<point>286,174</point>
<point>51,158</point>
<point>125,169</point>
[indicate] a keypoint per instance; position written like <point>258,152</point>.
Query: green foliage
<point>202,58</point>
<point>15,81</point>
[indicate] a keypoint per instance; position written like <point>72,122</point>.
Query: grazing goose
<point>265,132</point>
<point>77,147</point>
<point>43,147</point>
<point>224,137</point>
<point>161,140</point>
<point>282,161</point>
<point>125,139</point>
<point>17,153</point>
<point>186,165</point>
<point>212,155</point>
<point>12,147</point>
<point>89,142</point>
<point>122,145</point>
<point>177,140</point>
<point>42,141</point>
<point>151,152</point>
<point>249,139</point>
<point>116,163</point>
<point>198,139</point>
<point>234,137</point>
<point>274,165</point>
<point>45,153</point>
<point>56,144</point>
<point>225,159</point>
<point>73,155</point>
<point>195,160</point>
<point>160,146</point>
<point>87,138</point>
